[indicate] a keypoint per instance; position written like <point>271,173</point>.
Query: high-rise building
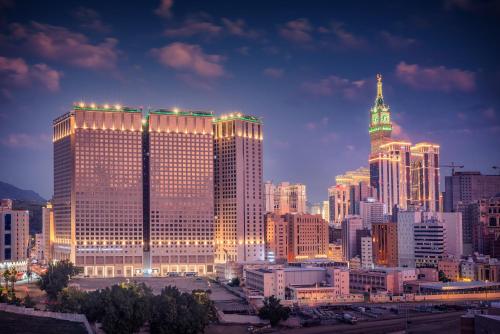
<point>98,189</point>
<point>47,232</point>
<point>14,233</point>
<point>429,243</point>
<point>307,237</point>
<point>339,200</point>
<point>366,252</point>
<point>400,174</point>
<point>239,193</point>
<point>276,236</point>
<point>425,176</point>
<point>372,212</point>
<point>406,221</point>
<point>390,174</point>
<point>286,198</point>
<point>486,227</point>
<point>269,193</point>
<point>350,241</point>
<point>179,192</point>
<point>325,210</point>
<point>380,120</point>
<point>385,244</point>
<point>469,187</point>
<point>315,209</point>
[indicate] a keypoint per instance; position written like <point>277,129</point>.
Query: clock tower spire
<point>380,119</point>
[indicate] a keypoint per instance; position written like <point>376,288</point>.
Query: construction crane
<point>452,165</point>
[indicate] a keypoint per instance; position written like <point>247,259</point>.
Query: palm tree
<point>13,279</point>
<point>6,275</point>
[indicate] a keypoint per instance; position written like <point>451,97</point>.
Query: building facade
<point>307,237</point>
<point>385,244</point>
<point>276,236</point>
<point>469,187</point>
<point>425,176</point>
<point>14,233</point>
<point>350,227</point>
<point>48,232</point>
<point>239,189</point>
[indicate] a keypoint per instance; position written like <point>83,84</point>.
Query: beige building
<point>276,238</point>
<point>239,191</point>
<point>47,232</point>
<point>181,194</point>
<point>425,176</point>
<point>335,251</point>
<point>285,198</point>
<point>14,233</point>
<point>307,237</point>
<point>98,189</point>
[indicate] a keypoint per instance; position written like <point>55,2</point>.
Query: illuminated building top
<point>380,119</point>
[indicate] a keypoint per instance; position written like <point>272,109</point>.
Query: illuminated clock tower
<point>380,120</point>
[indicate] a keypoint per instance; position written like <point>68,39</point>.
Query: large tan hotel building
<point>135,195</point>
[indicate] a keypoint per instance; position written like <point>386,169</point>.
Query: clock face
<point>374,118</point>
<point>385,118</point>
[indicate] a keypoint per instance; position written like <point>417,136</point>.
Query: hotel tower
<point>174,191</point>
<point>403,175</point>
<point>239,194</point>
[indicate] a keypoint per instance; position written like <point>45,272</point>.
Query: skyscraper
<point>380,120</point>
<point>285,197</point>
<point>180,182</point>
<point>350,227</point>
<point>468,187</point>
<point>239,193</point>
<point>390,174</point>
<point>47,232</point>
<point>372,212</point>
<point>98,189</point>
<point>425,176</point>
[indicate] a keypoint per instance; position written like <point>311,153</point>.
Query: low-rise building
<point>14,233</point>
<point>388,280</point>
<point>450,268</point>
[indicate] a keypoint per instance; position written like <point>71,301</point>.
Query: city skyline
<point>275,69</point>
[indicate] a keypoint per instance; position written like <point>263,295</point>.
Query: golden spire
<point>379,85</point>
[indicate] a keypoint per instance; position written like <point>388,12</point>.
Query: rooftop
<point>459,285</point>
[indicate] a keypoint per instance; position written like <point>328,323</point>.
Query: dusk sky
<point>306,67</point>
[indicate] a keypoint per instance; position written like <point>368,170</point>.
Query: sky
<point>307,68</point>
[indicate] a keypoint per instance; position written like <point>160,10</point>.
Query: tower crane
<point>452,165</point>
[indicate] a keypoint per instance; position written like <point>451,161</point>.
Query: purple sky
<point>306,67</point>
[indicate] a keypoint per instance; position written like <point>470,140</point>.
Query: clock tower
<point>380,120</point>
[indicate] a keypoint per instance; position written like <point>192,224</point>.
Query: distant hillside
<point>12,192</point>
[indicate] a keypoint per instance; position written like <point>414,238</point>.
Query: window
<point>8,222</point>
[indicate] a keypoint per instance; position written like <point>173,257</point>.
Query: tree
<point>28,301</point>
<point>69,300</point>
<point>235,281</point>
<point>126,308</point>
<point>57,277</point>
<point>442,277</point>
<point>274,311</point>
<point>176,312</point>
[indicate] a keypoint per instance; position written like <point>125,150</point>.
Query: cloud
<point>323,122</point>
<point>480,7</point>
<point>165,8</point>
<point>274,72</point>
<point>16,72</point>
<point>345,39</point>
<point>350,147</point>
<point>91,19</point>
<point>200,24</point>
<point>437,78</point>
<point>297,31</point>
<point>397,42</point>
<point>333,85</point>
<point>239,28</point>
<point>190,58</point>
<point>329,138</point>
<point>399,132</point>
<point>23,140</point>
<point>61,44</point>
<point>489,113</point>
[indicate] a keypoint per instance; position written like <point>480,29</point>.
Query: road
<point>443,323</point>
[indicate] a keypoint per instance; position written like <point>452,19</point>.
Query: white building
<point>406,237</point>
<point>366,252</point>
<point>14,233</point>
<point>371,212</point>
<point>429,243</point>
